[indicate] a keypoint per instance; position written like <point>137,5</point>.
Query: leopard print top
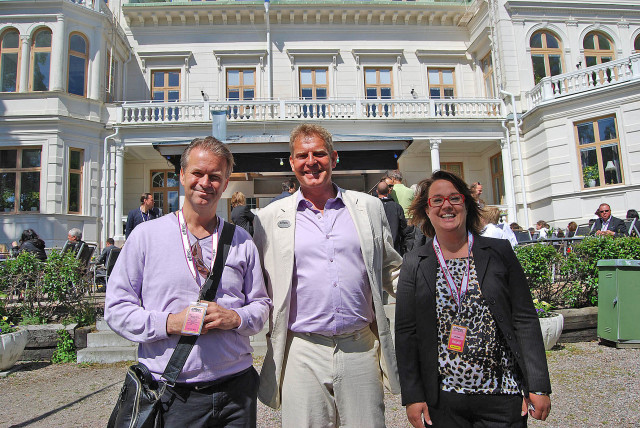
<point>486,366</point>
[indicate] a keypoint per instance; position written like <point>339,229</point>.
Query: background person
<point>543,229</point>
<point>476,191</point>
<point>490,217</point>
<point>75,237</point>
<point>571,229</point>
<point>160,273</point>
<point>606,224</point>
<point>288,189</point>
<point>241,214</point>
<point>395,216</point>
<point>399,192</point>
<point>31,243</point>
<point>145,212</point>
<point>468,340</point>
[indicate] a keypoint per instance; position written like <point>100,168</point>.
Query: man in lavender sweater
<point>327,253</point>
<point>154,282</point>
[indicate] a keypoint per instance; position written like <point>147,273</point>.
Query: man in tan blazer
<point>327,253</point>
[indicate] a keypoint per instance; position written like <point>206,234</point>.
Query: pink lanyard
<point>187,247</point>
<point>464,286</point>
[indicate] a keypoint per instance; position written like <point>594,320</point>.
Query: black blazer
<point>134,218</point>
<point>615,224</point>
<point>504,287</point>
<point>242,216</point>
<point>397,223</point>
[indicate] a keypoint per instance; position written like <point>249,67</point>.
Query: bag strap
<point>208,292</point>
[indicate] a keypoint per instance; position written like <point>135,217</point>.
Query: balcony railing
<point>140,113</point>
<point>586,79</point>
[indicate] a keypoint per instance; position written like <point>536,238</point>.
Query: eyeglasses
<point>604,211</point>
<point>454,199</point>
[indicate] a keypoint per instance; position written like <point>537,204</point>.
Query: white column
<point>119,203</point>
<point>58,56</point>
<point>507,175</point>
<point>434,143</point>
<point>96,68</point>
<point>24,63</point>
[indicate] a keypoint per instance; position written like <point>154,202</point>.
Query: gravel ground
<point>593,386</point>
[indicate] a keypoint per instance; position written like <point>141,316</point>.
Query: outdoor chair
<point>523,237</point>
<point>632,225</point>
<point>84,254</point>
<point>105,271</point>
<point>583,230</point>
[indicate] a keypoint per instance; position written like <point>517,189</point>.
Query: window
<point>241,86</point>
<point>164,187</point>
<point>165,87</point>
<point>599,149</point>
<point>78,60</point>
<point>441,83</point>
<point>9,60</point>
<point>487,75</point>
<point>497,179</point>
<point>455,167</point>
<point>313,86</point>
<point>40,60</point>
<point>598,49</point>
<point>76,161</point>
<point>636,44</point>
<point>546,55</point>
<point>20,179</point>
<point>378,85</point>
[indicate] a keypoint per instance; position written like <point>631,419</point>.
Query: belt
<point>202,386</point>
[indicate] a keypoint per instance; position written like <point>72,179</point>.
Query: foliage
<point>38,292</point>
<point>543,309</point>
<point>572,280</point>
<point>65,349</point>
<point>590,173</point>
<point>6,326</point>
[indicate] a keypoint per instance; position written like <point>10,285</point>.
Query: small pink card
<point>456,338</point>
<point>195,319</point>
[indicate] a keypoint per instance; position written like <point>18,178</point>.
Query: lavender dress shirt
<point>151,279</point>
<point>330,293</point>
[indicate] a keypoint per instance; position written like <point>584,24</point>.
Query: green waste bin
<point>619,303</point>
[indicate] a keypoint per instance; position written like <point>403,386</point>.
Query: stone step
<point>107,354</point>
<point>107,338</point>
<point>101,325</point>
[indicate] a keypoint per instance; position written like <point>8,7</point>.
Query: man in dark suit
<point>288,189</point>
<point>395,215</point>
<point>606,224</point>
<point>145,212</point>
<point>106,251</point>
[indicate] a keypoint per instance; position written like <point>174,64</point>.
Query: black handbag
<point>138,404</point>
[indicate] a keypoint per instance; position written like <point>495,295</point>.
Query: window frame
<point>378,86</point>
<point>597,145</point>
<point>446,166</point>
<point>596,51</point>
<point>17,51</point>
<point>486,64</point>
<point>18,170</point>
<point>164,189</point>
<point>32,54</point>
<point>442,86</point>
<point>497,187</point>
<point>79,172</point>
<point>546,52</point>
<point>84,57</point>
<point>241,87</point>
<point>166,88</point>
<point>313,86</point>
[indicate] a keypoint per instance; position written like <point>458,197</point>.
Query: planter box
<point>551,330</point>
<point>42,340</point>
<point>11,348</point>
<point>580,325</point>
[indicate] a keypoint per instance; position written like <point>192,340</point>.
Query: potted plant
<point>551,323</point>
<point>590,175</point>
<point>12,343</point>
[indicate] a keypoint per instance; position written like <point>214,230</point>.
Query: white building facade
<point>97,101</point>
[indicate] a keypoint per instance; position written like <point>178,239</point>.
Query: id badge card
<point>457,336</point>
<point>195,319</point>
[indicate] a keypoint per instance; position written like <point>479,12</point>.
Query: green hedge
<point>571,280</point>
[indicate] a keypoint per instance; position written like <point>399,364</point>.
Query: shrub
<point>65,349</point>
<point>38,292</point>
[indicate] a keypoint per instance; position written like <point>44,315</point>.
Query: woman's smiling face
<point>447,218</point>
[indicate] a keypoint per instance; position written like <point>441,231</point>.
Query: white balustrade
<point>136,113</point>
<point>585,79</point>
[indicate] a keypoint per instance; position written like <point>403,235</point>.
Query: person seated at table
<point>490,216</point>
<point>31,243</point>
<point>571,229</point>
<point>606,224</point>
<point>543,228</point>
<point>560,233</point>
<point>515,227</point>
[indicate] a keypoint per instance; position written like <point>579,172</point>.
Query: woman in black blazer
<point>241,214</point>
<point>468,341</point>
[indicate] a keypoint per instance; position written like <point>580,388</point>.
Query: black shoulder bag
<point>139,400</point>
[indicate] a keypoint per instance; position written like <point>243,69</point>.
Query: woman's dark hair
<point>28,235</point>
<point>632,213</point>
<point>420,203</point>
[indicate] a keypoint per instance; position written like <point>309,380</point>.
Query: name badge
<point>284,223</point>
<point>195,319</point>
<point>457,336</point>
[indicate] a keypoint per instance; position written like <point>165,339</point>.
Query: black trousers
<point>231,402</point>
<point>477,411</point>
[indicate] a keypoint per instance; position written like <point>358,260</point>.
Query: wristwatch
<point>540,393</point>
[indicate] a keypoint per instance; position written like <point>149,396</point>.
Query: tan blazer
<point>274,235</point>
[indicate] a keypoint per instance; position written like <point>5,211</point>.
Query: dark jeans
<point>229,403</point>
<point>477,411</point>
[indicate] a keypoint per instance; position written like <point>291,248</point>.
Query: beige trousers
<point>332,381</point>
